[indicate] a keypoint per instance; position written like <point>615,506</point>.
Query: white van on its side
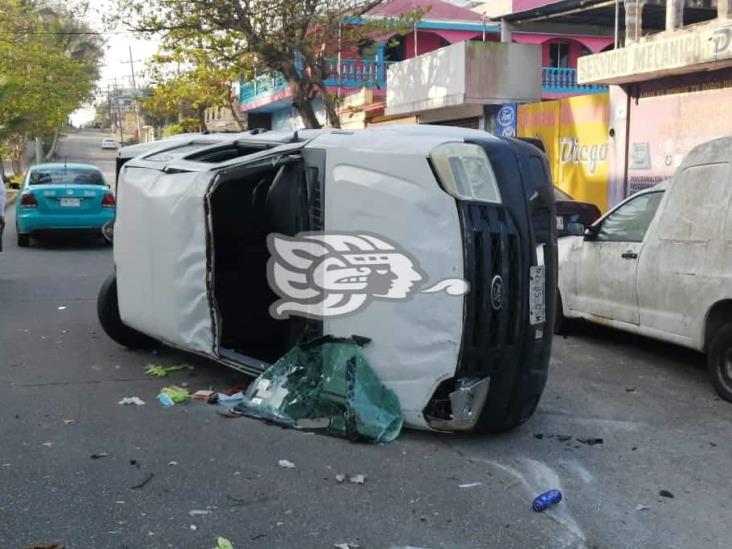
<point>660,263</point>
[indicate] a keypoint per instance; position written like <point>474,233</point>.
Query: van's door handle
<point>629,255</point>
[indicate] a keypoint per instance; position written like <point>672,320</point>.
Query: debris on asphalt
<point>340,478</point>
<point>132,400</point>
<point>172,395</point>
<point>470,485</point>
<point>346,545</point>
<point>538,436</point>
<point>202,394</point>
<point>590,441</point>
<point>135,463</point>
<point>194,527</point>
<point>51,546</point>
<point>173,463</point>
<point>630,389</point>
<point>70,421</point>
<point>47,444</point>
<point>665,494</point>
<point>223,543</point>
<point>641,507</point>
<point>325,378</point>
<point>62,308</point>
<point>161,371</point>
<point>99,455</point>
<point>542,502</point>
<point>285,464</point>
<point>223,398</point>
<point>147,479</point>
<point>198,512</point>
<point>357,479</point>
<point>563,438</point>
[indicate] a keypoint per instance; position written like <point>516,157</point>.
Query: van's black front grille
<point>493,269</point>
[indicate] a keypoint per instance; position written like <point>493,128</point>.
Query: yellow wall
<point>575,134</point>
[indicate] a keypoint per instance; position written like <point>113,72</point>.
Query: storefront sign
<point>506,120</point>
<point>684,48</point>
<point>575,135</point>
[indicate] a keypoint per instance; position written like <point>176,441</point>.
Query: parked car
<point>109,143</point>
<point>199,237</point>
<point>660,263</point>
<point>573,214</point>
<point>62,198</point>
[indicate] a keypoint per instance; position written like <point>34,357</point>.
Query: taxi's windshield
<point>66,176</point>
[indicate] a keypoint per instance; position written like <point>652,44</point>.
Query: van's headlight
<point>465,172</point>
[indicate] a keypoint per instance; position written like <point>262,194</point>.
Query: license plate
<point>560,223</point>
<point>70,202</point>
<point>537,301</point>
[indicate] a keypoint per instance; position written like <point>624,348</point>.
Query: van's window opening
<point>465,172</point>
<point>175,152</point>
<point>62,175</point>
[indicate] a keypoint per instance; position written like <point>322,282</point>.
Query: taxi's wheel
<point>23,240</point>
<point>108,313</point>
<point>719,359</point>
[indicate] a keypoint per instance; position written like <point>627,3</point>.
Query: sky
<point>116,61</point>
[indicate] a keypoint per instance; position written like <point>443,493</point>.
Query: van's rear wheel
<point>719,359</point>
<point>108,313</point>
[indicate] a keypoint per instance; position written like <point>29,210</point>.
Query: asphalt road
<point>662,428</point>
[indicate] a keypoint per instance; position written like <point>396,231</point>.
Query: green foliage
<point>184,126</point>
<point>296,38</point>
<point>47,69</point>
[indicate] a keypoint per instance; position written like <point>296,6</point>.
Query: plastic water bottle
<point>543,501</point>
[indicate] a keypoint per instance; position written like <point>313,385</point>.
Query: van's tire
<point>562,324</point>
<point>719,360</point>
<point>23,240</point>
<point>108,313</point>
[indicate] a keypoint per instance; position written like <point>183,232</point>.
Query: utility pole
<point>137,104</point>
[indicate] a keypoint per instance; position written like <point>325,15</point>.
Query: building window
<point>559,54</point>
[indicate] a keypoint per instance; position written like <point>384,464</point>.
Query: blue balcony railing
<point>354,73</point>
<point>556,80</point>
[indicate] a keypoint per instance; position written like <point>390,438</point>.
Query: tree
<point>205,81</point>
<point>296,38</point>
<point>47,69</point>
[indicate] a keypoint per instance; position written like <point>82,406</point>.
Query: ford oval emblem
<point>497,292</point>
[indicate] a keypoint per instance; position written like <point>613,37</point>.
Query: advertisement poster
<point>575,134</point>
<point>679,122</point>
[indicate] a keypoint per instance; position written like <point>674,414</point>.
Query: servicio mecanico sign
<point>683,48</point>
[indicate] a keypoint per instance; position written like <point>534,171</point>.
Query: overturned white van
<point>437,244</point>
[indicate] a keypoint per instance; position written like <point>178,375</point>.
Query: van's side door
<point>607,261</point>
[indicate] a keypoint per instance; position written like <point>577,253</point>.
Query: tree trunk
<point>235,114</point>
<point>334,121</point>
<point>202,118</point>
<point>52,151</point>
<point>3,175</point>
<point>302,102</point>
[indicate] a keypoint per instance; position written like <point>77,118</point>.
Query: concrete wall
<point>465,73</point>
<point>288,118</point>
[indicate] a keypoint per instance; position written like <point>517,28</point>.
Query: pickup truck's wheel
<point>108,313</point>
<point>719,357</point>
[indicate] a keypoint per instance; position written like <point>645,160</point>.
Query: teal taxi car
<point>65,198</point>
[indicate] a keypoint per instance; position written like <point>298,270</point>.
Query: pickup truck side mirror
<point>576,229</point>
<point>591,232</point>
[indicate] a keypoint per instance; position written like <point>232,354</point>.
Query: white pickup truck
<point>660,263</point>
